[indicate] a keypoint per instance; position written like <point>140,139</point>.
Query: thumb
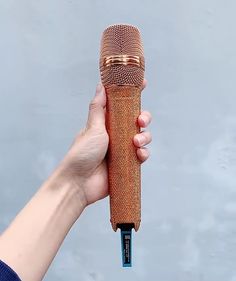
<point>96,115</point>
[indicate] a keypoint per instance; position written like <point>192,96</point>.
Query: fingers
<point>142,139</point>
<point>96,115</point>
<point>144,119</point>
<point>142,154</point>
<point>96,118</point>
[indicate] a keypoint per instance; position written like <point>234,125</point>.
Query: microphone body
<point>122,73</point>
<point>123,107</point>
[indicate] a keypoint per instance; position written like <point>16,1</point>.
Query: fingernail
<point>141,140</point>
<point>144,119</point>
<point>99,89</point>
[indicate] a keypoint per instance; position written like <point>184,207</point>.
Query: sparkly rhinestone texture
<point>122,73</point>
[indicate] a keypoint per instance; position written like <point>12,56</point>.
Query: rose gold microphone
<point>122,72</point>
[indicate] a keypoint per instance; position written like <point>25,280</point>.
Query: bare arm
<point>33,239</point>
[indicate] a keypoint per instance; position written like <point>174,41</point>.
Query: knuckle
<point>92,105</point>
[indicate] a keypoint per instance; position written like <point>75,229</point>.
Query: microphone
<point>122,68</point>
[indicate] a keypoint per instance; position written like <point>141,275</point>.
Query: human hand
<point>85,163</point>
<point>79,180</point>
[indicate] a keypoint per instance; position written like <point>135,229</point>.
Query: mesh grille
<point>121,40</point>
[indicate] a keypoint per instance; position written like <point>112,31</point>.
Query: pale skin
<point>32,240</point>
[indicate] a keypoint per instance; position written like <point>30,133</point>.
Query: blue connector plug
<point>126,244</point>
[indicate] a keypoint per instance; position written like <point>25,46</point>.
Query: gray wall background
<point>48,72</point>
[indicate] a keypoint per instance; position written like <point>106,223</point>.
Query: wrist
<point>68,192</point>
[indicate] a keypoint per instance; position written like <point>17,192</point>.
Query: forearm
<point>32,240</point>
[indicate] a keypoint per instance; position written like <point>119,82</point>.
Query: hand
<point>85,162</point>
<point>80,179</point>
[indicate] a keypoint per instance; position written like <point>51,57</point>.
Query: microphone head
<point>121,57</point>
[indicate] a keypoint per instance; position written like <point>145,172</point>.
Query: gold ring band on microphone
<point>123,60</point>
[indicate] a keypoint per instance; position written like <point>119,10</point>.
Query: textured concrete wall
<point>48,71</point>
